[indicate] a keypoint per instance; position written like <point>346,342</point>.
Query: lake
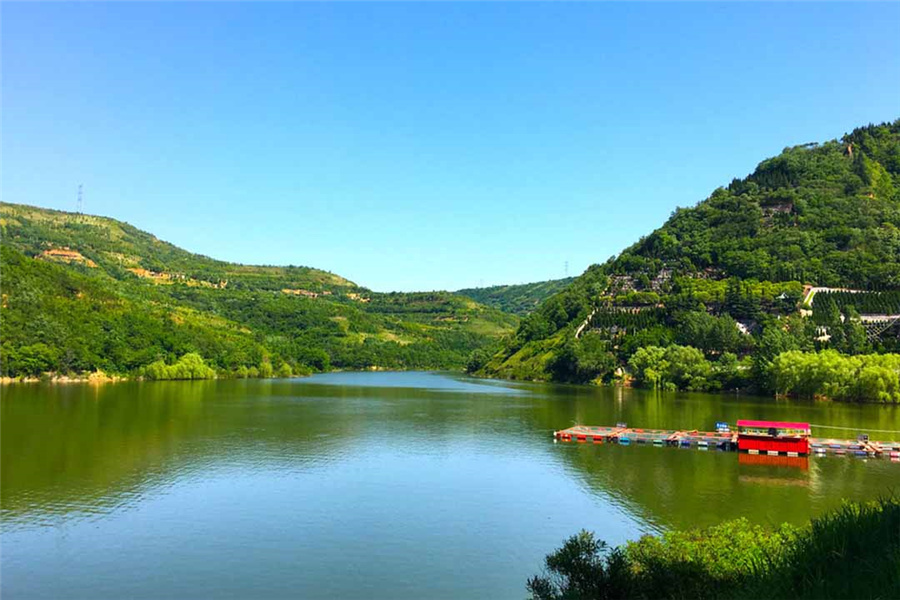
<point>375,485</point>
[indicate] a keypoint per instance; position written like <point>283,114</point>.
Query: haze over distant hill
<point>81,292</point>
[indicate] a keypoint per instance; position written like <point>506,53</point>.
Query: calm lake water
<point>375,485</point>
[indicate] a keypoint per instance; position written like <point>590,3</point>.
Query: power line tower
<point>80,199</point>
<point>567,269</point>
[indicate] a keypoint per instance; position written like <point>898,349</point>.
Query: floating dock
<point>822,446</point>
<point>718,440</point>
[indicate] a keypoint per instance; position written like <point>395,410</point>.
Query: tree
<point>584,567</point>
<point>711,334</point>
<point>189,366</point>
<point>33,360</point>
<point>563,365</point>
<point>265,369</point>
<point>854,334</point>
<point>687,368</point>
<point>648,365</point>
<point>535,327</point>
<point>734,297</point>
<point>477,359</point>
<point>829,374</point>
<point>593,359</point>
<point>778,337</point>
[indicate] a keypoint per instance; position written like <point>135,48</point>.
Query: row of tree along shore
<point>822,352</point>
<point>190,366</point>
<point>822,375</point>
<point>827,374</point>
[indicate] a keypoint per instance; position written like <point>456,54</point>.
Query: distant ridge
<point>519,299</point>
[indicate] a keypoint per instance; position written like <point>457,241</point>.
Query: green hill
<point>726,278</point>
<point>520,299</point>
<point>81,293</point>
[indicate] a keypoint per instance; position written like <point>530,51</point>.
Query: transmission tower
<point>567,269</point>
<point>80,199</point>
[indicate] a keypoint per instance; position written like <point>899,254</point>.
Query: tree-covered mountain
<point>712,297</point>
<point>80,293</point>
<point>520,299</point>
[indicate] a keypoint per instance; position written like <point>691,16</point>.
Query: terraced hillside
<point>82,292</point>
<point>520,299</point>
<point>712,297</point>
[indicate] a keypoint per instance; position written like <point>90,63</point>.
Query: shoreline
<point>96,377</point>
<point>817,399</point>
<point>99,377</point>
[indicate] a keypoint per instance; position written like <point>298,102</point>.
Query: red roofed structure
<point>776,424</point>
<point>773,436</point>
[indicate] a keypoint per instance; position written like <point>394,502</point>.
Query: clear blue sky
<point>423,146</point>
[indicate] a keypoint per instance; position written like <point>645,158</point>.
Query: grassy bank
<point>852,552</point>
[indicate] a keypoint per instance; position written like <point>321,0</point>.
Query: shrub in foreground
<point>853,552</point>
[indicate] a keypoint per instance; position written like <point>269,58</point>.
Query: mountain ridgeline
<point>786,281</point>
<point>719,296</point>
<point>82,293</point>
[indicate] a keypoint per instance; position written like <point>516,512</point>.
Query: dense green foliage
<point>619,321</point>
<point>55,318</point>
<point>825,214</point>
<point>519,299</point>
<point>833,375</point>
<point>876,303</point>
<point>189,366</point>
<point>686,368</point>
<point>70,304</point>
<point>726,278</point>
<point>853,552</point>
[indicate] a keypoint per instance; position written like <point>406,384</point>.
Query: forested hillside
<point>520,299</point>
<point>713,297</point>
<point>81,293</point>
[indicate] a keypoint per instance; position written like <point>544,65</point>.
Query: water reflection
<point>82,449</point>
<point>192,474</point>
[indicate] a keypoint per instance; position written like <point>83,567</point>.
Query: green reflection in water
<point>81,449</point>
<point>377,485</point>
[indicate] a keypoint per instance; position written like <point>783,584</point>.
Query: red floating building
<point>773,437</point>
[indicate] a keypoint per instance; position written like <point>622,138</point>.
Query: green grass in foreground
<point>853,552</point>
